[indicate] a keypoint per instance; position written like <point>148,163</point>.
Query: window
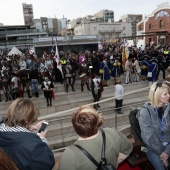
<point>124,28</point>
<point>95,28</point>
<point>140,27</point>
<point>150,26</point>
<point>162,24</point>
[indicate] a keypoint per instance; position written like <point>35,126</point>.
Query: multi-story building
<point>155,27</point>
<point>133,19</point>
<point>62,26</point>
<point>48,24</point>
<point>103,29</point>
<point>1,24</point>
<point>20,36</point>
<point>28,14</point>
<point>104,15</point>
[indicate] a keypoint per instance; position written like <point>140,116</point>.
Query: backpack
<point>135,127</point>
<point>102,165</point>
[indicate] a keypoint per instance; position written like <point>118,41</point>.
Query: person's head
<point>86,121</point>
<point>6,162</point>
<point>118,81</point>
<point>21,112</point>
<point>46,79</point>
<point>159,94</point>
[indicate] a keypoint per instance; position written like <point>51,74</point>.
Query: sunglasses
<point>158,85</point>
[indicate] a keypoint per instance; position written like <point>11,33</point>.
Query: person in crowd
<point>155,127</point>
<point>105,71</point>
<point>119,91</point>
<point>34,76</point>
<point>137,70</point>
<point>87,122</point>
<point>5,162</point>
<point>82,58</point>
<point>115,68</point>
<point>27,150</point>
<point>95,63</point>
<point>97,89</point>
<point>144,70</point>
<point>47,87</point>
<point>152,71</point>
<point>128,69</point>
<point>68,76</point>
<point>16,90</point>
<point>22,64</point>
<point>161,65</point>
<point>84,73</point>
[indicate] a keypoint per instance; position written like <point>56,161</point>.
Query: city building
<point>104,15</point>
<point>62,26</point>
<point>1,24</point>
<point>48,24</point>
<point>133,19</point>
<point>107,31</point>
<point>155,28</point>
<point>28,14</point>
<point>21,36</point>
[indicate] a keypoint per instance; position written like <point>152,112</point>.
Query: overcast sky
<point>11,10</point>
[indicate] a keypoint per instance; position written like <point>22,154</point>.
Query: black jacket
<point>27,150</point>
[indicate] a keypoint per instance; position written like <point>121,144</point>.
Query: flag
<point>31,50</point>
<point>56,51</point>
<point>57,59</point>
<point>124,57</point>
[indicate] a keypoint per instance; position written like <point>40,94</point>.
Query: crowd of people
<point>28,150</point>
<point>20,74</point>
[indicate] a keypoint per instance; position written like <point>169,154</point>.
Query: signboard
<point>84,37</point>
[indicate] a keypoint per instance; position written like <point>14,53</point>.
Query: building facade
<point>104,15</point>
<point>48,24</point>
<point>28,14</point>
<point>107,31</point>
<point>155,28</point>
<point>133,19</point>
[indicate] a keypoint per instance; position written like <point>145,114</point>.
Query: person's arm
<point>42,157</point>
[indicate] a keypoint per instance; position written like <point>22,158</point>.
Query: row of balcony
<point>8,32</point>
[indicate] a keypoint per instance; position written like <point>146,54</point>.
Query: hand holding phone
<point>43,127</point>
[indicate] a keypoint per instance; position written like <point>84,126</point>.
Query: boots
<point>47,102</point>
<point>88,88</point>
<point>28,92</point>
<point>72,86</point>
<point>98,105</point>
<point>6,95</point>
<point>95,107</point>
<point>66,88</point>
<point>50,102</point>
<point>82,84</point>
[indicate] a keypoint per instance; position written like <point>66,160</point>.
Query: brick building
<point>156,27</point>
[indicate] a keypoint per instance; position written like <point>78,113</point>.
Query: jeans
<point>118,104</point>
<point>34,84</point>
<point>155,160</point>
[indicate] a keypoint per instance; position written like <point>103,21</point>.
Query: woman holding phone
<point>27,150</point>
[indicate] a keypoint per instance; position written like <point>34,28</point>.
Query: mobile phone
<point>43,127</point>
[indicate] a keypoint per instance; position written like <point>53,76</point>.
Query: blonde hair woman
<point>154,121</point>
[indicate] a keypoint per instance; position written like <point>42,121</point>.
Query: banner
<point>57,59</point>
<point>124,57</point>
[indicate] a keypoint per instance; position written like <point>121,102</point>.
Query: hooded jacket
<point>27,150</point>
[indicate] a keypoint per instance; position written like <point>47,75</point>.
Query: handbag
<point>149,74</point>
<point>102,165</point>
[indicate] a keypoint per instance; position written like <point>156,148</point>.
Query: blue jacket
<point>27,150</point>
<point>150,129</point>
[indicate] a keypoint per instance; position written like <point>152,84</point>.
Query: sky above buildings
<point>11,12</point>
